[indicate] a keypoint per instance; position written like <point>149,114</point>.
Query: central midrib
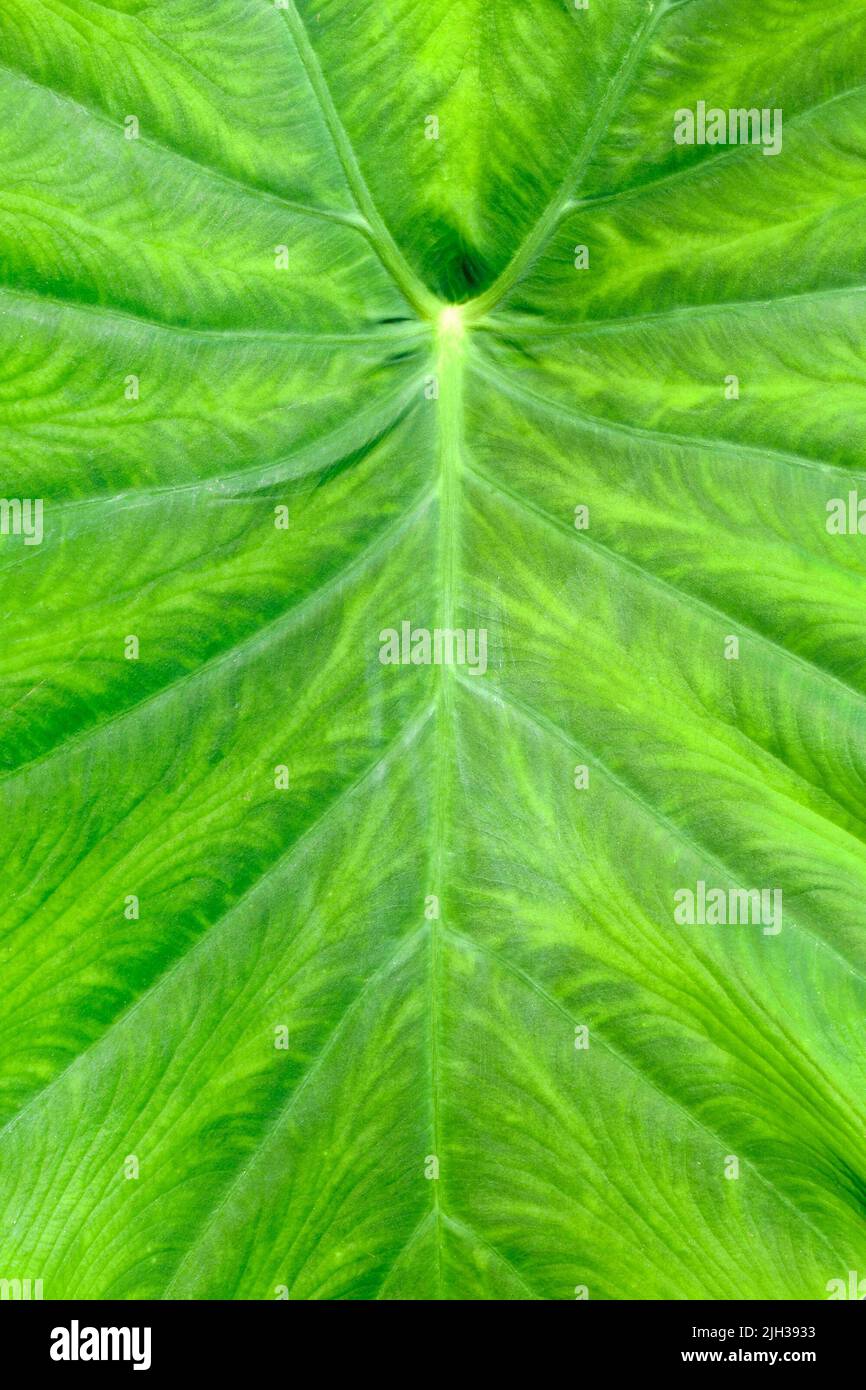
<point>451,324</point>
<point>449,364</point>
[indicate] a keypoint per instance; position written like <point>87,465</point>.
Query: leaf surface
<point>283,295</point>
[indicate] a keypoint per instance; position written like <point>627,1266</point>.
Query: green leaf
<point>334,978</point>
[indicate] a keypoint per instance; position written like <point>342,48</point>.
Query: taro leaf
<point>334,978</point>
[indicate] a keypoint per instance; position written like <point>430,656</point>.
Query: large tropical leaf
<point>329,978</point>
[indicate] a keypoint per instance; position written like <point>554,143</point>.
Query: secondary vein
<point>562,199</point>
<point>380,238</point>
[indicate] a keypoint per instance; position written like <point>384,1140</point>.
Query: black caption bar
<point>83,1340</point>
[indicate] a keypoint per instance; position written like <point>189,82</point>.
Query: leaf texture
<point>326,978</point>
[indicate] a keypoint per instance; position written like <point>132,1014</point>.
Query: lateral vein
<point>379,236</point>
